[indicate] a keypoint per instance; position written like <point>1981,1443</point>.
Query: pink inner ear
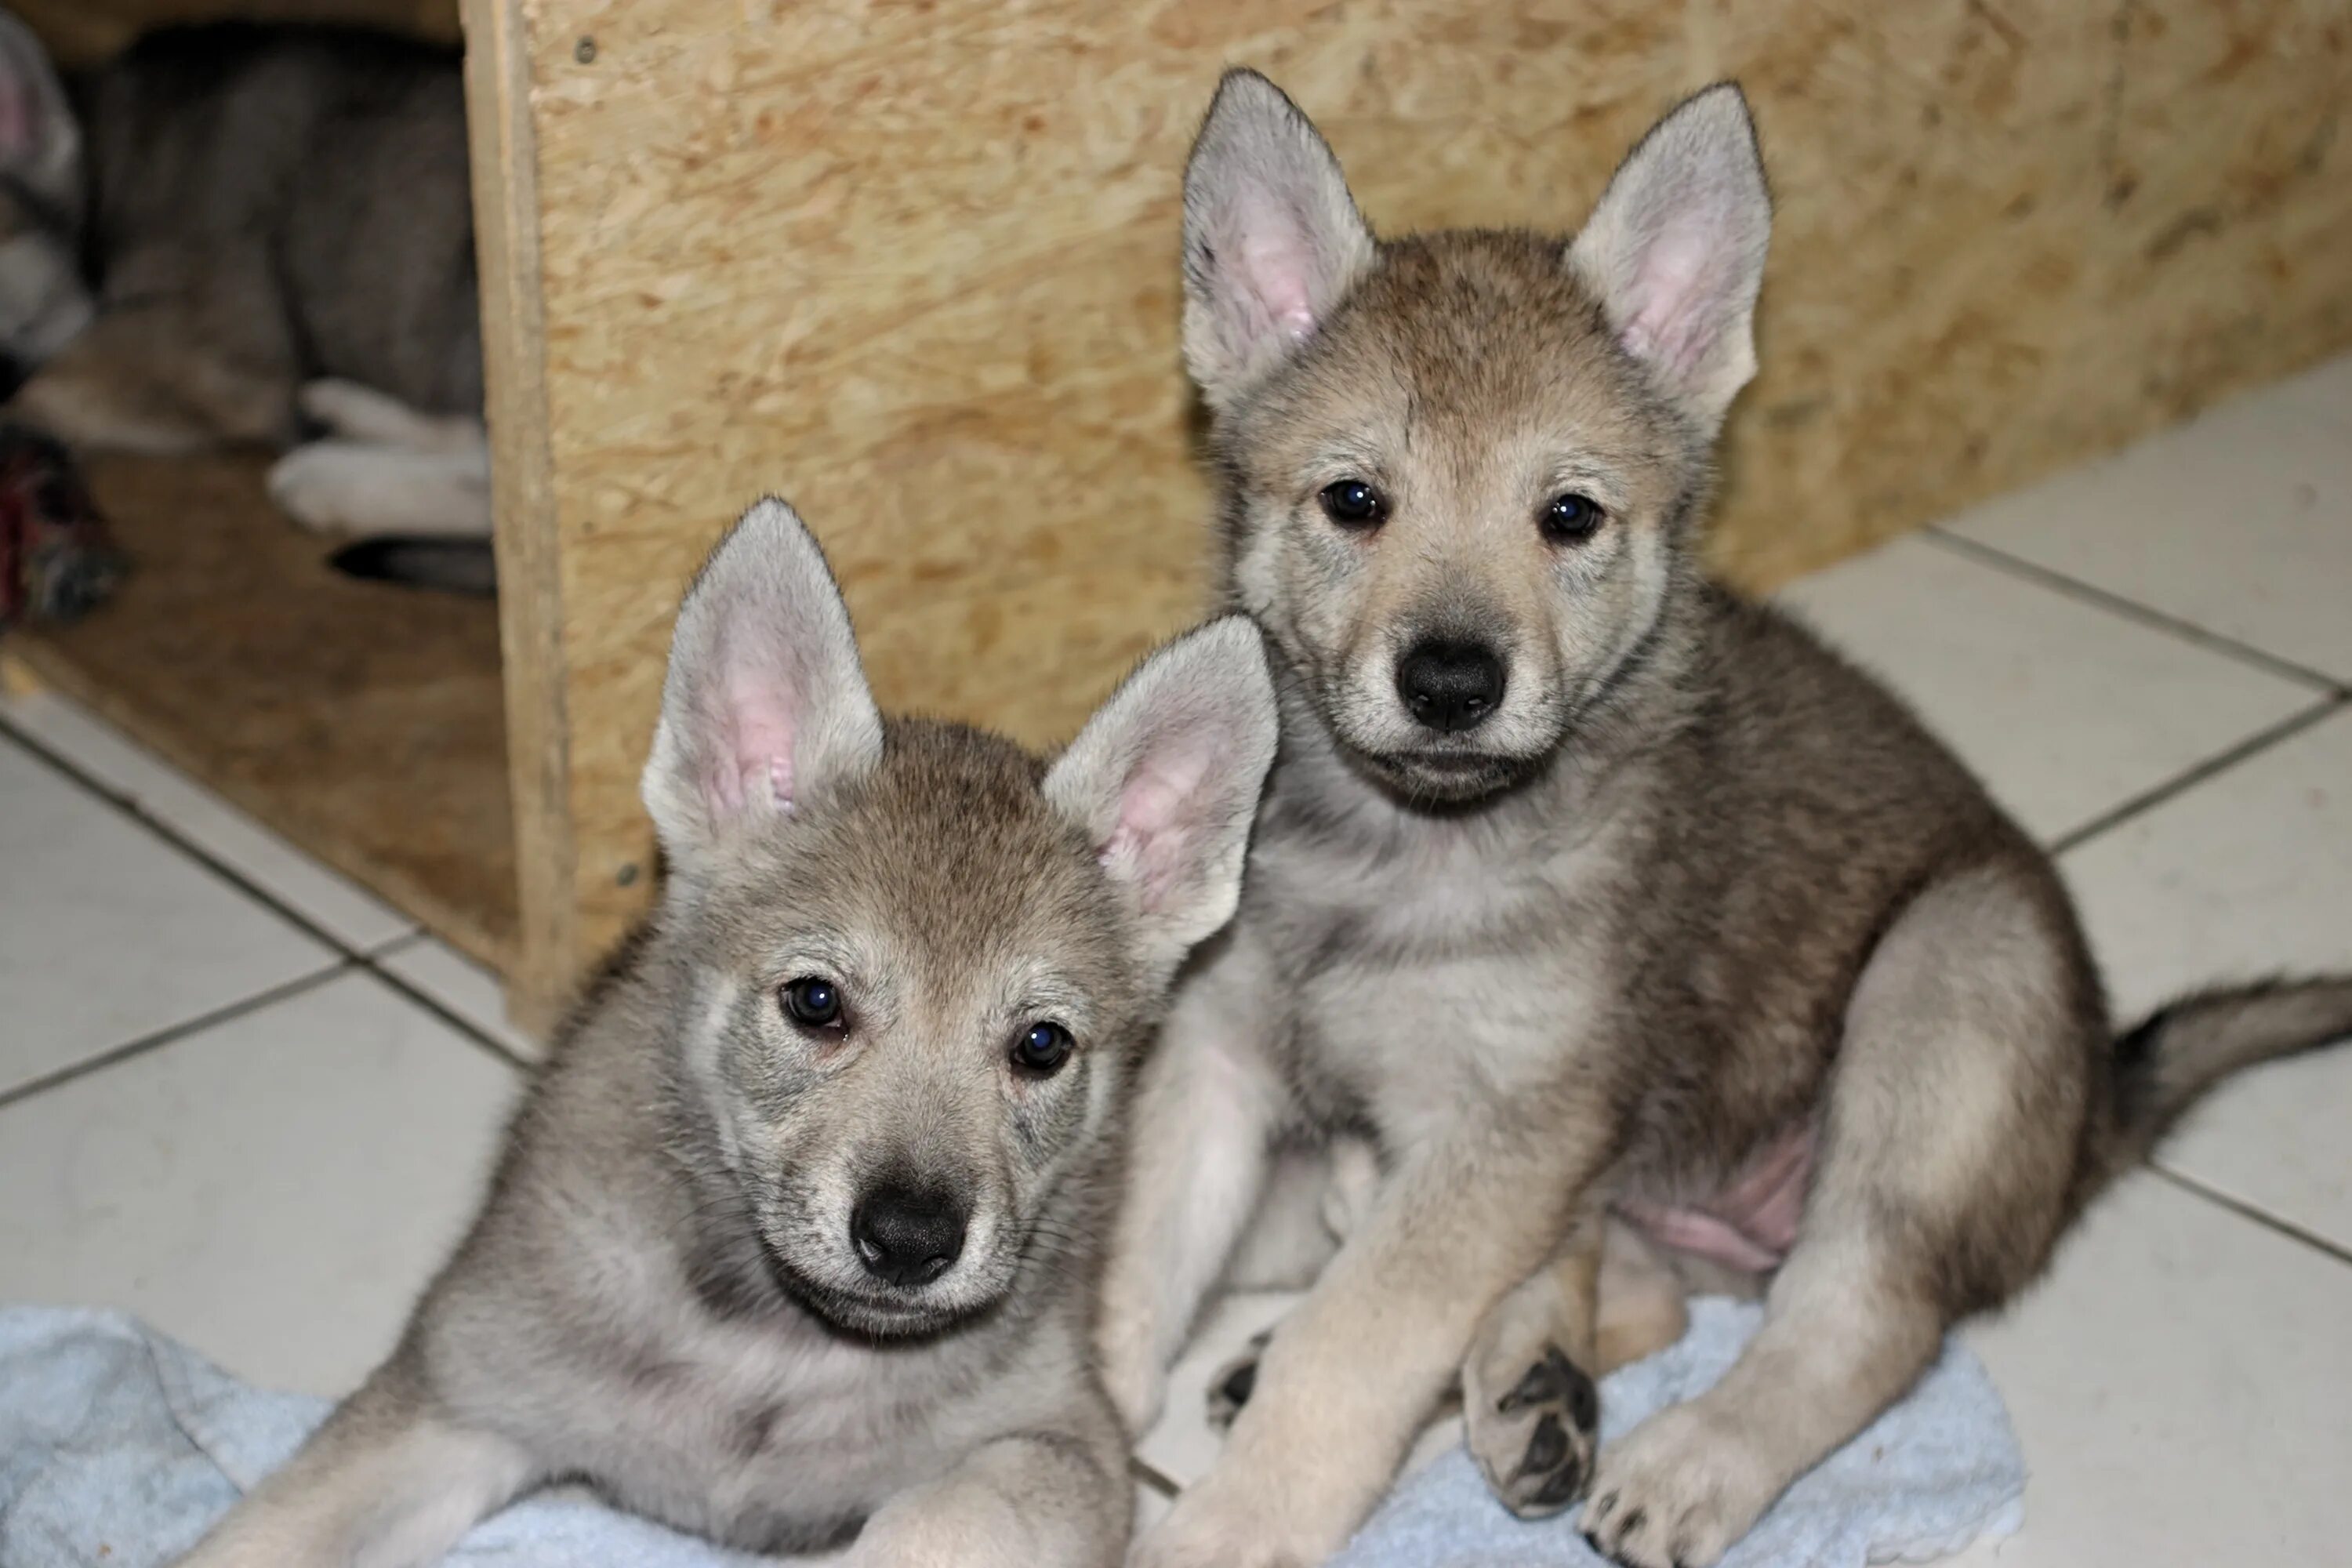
<point>1668,327</point>
<point>1153,828</point>
<point>1276,265</point>
<point>751,765</point>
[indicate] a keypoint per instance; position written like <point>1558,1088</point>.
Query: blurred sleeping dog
<point>1647,942</point>
<point>235,235</point>
<point>795,1231</point>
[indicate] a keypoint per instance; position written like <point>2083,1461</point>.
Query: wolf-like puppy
<point>1628,923</point>
<point>793,1239</point>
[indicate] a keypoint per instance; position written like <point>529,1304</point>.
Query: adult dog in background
<point>1646,941</point>
<point>242,236</point>
<point>796,1231</point>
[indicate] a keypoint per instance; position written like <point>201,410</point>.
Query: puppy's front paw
<point>1535,1440</point>
<point>310,485</point>
<point>1676,1492</point>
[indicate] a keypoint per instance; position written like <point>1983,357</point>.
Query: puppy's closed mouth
<point>872,1316</point>
<point>1446,774</point>
<point>1454,763</point>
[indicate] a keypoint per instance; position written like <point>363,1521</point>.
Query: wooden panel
<point>531,597</point>
<point>913,264</point>
<point>359,721</point>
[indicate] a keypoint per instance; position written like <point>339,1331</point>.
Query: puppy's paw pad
<point>1232,1383</point>
<point>1535,1443</point>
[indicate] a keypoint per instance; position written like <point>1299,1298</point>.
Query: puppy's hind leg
<point>385,1483</point>
<point>1947,1157</point>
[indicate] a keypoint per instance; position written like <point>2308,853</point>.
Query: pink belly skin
<point>1751,1224</point>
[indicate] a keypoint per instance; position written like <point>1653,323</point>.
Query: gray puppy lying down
<point>793,1239</point>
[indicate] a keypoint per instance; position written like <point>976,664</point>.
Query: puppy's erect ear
<point>1272,238</point>
<point>1165,780</point>
<point>40,144</point>
<point>765,704</point>
<point>1675,250</point>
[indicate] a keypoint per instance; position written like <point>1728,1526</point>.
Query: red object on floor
<point>57,559</point>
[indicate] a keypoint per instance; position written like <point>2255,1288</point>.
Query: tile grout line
<point>497,1048</point>
<point>158,1039</point>
<point>395,946</point>
<point>2190,778</point>
<point>2131,609</point>
<point>126,806</point>
<point>2244,1210</point>
<point>349,956</point>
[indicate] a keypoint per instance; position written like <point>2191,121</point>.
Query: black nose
<point>1449,685</point>
<point>907,1236</point>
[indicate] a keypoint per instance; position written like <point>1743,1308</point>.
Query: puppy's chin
<point>1441,778</point>
<point>874,1314</point>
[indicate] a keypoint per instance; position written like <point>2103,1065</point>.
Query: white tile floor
<point>243,1099</point>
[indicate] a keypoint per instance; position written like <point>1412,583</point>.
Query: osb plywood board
<point>81,31</point>
<point>359,721</point>
<point>914,265</point>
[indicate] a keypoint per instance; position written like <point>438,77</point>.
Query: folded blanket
<point>1936,1472</point>
<point>119,1449</point>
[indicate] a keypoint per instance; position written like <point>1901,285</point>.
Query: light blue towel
<point>119,1449</point>
<point>1938,1471</point>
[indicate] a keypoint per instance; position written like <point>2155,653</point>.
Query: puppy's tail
<point>2167,1062</point>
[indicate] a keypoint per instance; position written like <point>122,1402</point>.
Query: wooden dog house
<point>913,265</point>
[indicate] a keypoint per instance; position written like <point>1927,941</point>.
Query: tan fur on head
<point>949,892</point>
<point>1473,382</point>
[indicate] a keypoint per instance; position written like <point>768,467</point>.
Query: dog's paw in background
<point>57,561</point>
<point>413,488</point>
<point>380,466</point>
<point>344,487</point>
<point>360,414</point>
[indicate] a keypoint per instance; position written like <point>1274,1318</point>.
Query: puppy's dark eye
<point>813,1003</point>
<point>1570,519</point>
<point>1042,1048</point>
<point>1351,503</point>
